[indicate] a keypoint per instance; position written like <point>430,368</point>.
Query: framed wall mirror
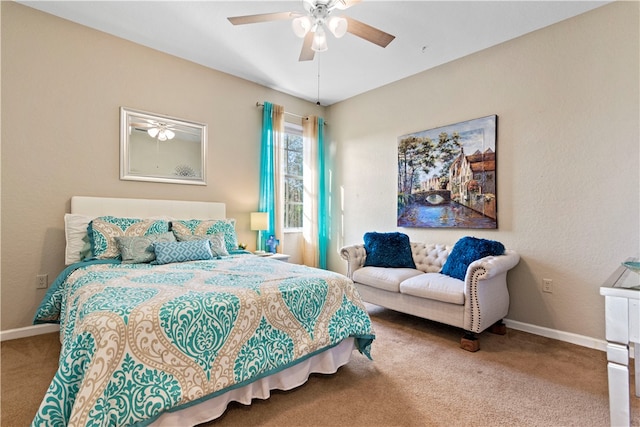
<point>159,148</point>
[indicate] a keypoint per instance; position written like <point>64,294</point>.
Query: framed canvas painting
<point>447,176</point>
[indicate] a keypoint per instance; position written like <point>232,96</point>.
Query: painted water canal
<point>447,214</point>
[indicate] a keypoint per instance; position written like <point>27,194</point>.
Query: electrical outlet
<point>42,281</point>
<point>547,285</point>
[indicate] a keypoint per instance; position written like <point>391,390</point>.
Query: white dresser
<point>622,316</point>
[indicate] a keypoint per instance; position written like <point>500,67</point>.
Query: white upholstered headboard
<point>84,209</point>
<point>144,208</point>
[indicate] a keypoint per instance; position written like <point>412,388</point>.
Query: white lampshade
<point>259,221</point>
<point>153,132</point>
<point>301,26</point>
<point>338,26</point>
<point>319,41</point>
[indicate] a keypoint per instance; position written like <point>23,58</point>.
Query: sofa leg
<point>470,342</point>
<point>498,328</point>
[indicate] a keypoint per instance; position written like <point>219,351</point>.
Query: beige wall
<point>567,100</point>
<point>62,87</point>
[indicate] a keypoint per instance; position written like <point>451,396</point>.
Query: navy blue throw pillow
<point>388,250</point>
<point>467,250</point>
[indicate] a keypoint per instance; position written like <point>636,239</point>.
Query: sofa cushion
<point>388,279</point>
<point>435,286</point>
<point>388,250</point>
<point>467,250</point>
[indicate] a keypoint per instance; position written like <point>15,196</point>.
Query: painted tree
<point>419,157</point>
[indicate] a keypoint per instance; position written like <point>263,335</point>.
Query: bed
<point>163,321</point>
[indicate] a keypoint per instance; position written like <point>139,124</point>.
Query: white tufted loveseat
<point>475,304</point>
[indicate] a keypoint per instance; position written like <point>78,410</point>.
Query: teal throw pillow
<point>168,252</point>
<point>103,231</point>
<point>388,250</point>
<point>467,250</point>
<point>205,227</point>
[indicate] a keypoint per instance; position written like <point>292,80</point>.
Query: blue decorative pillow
<point>168,252</point>
<point>388,250</point>
<point>216,241</point>
<point>103,231</point>
<point>467,250</point>
<point>205,227</point>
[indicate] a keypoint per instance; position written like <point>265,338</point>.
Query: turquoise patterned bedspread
<point>140,339</point>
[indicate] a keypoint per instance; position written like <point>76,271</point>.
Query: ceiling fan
<point>162,131</point>
<point>312,24</point>
<point>159,130</point>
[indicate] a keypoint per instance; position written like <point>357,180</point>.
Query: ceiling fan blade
<point>368,32</point>
<point>307,54</point>
<point>344,4</point>
<point>262,17</point>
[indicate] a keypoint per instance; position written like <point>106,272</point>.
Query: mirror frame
<point>129,116</point>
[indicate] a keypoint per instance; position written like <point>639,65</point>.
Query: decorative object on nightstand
<point>271,244</point>
<point>259,223</point>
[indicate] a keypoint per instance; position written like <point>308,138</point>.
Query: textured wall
<point>567,100</point>
<point>62,87</point>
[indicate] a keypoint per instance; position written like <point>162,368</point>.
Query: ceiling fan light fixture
<point>169,133</point>
<point>319,40</point>
<point>338,26</point>
<point>161,132</point>
<point>301,26</point>
<point>308,5</point>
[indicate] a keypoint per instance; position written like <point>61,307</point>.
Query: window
<point>293,178</point>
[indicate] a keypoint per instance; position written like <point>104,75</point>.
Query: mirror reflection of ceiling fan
<point>159,130</point>
<point>313,24</point>
<point>164,131</point>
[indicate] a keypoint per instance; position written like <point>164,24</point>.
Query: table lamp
<point>259,223</point>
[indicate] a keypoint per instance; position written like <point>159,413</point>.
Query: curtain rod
<point>259,104</point>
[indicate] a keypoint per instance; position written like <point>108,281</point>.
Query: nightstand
<point>279,257</point>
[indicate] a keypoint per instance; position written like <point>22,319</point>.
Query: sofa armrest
<point>488,267</point>
<point>355,256</point>
<point>486,293</point>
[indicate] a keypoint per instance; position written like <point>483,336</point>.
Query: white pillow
<point>75,229</point>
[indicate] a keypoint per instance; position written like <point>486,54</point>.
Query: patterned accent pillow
<point>465,251</point>
<point>216,241</point>
<point>168,252</point>
<point>139,249</point>
<point>203,227</point>
<point>103,231</point>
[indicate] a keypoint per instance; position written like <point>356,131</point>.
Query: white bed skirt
<point>326,362</point>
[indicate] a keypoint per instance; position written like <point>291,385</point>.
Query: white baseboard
<point>562,336</point>
<point>29,331</point>
<point>569,337</point>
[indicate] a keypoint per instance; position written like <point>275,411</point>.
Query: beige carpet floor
<point>419,377</point>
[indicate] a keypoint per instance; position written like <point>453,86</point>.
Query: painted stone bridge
<point>432,197</point>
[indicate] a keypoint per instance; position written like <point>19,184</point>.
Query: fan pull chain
<point>318,99</point>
